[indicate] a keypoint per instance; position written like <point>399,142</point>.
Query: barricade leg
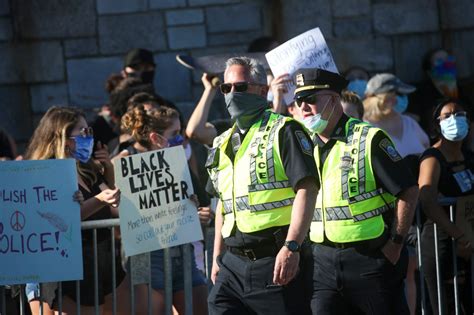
<point>438,272</point>
<point>168,282</point>
<point>114,273</point>
<point>455,265</point>
<point>188,283</point>
<point>420,264</point>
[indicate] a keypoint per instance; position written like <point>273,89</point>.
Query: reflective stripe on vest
<point>351,211</point>
<point>255,182</point>
<point>344,213</point>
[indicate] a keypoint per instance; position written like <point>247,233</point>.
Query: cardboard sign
<point>307,50</point>
<point>155,210</point>
<point>40,224</point>
<point>465,216</point>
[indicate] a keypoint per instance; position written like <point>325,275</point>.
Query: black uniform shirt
<point>390,170</point>
<point>296,151</point>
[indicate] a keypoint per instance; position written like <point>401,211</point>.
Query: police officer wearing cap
<point>264,173</point>
<point>364,207</point>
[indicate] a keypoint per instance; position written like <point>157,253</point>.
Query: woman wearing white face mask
<point>446,170</point>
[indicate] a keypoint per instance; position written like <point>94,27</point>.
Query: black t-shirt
<point>456,178</point>
<point>296,151</point>
<point>101,214</point>
<point>390,170</point>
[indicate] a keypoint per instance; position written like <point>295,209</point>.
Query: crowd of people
<point>316,199</point>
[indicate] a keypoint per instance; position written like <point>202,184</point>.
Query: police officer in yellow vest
<point>363,209</point>
<point>264,173</point>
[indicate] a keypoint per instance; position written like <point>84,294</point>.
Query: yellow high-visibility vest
<point>349,204</point>
<point>254,189</point>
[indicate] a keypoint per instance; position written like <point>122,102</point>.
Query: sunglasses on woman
<point>455,114</point>
<point>84,133</point>
<point>238,87</point>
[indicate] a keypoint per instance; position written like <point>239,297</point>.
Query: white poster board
<point>40,224</point>
<point>307,50</point>
<point>155,210</point>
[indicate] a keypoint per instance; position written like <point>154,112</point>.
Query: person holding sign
<point>151,130</point>
<point>63,133</point>
<point>363,210</point>
<point>264,173</point>
<point>446,170</point>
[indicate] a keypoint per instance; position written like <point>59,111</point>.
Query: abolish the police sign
<point>40,224</point>
<point>155,210</point>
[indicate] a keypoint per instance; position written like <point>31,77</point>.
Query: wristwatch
<point>293,246</point>
<point>397,238</point>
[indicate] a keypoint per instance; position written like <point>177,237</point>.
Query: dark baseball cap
<point>387,82</point>
<point>311,80</point>
<point>138,56</point>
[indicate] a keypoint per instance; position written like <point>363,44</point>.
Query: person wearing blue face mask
<point>63,133</point>
<point>446,170</point>
<point>386,100</point>
<point>357,77</point>
<point>363,210</point>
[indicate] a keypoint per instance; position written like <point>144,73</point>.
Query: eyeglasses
<point>455,114</point>
<point>84,133</point>
<point>312,99</point>
<point>238,86</point>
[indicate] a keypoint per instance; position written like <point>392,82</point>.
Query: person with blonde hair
<point>384,105</point>
<point>63,133</point>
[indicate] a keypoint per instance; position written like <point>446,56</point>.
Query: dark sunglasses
<point>455,114</point>
<point>84,132</point>
<point>312,99</point>
<point>238,86</point>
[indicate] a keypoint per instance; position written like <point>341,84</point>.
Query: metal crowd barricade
<point>112,224</point>
<point>451,202</point>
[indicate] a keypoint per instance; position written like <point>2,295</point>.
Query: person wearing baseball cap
<point>139,63</point>
<point>386,101</point>
<point>363,209</point>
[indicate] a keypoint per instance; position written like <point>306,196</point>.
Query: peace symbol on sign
<point>17,221</point>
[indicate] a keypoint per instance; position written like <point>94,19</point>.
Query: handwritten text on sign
<point>39,222</point>
<point>307,50</point>
<point>155,210</point>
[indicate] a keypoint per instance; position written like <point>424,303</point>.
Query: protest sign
<point>155,210</point>
<point>307,50</point>
<point>40,224</point>
<point>465,216</point>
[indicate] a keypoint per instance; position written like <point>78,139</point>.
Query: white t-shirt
<point>413,141</point>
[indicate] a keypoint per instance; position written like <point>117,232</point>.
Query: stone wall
<point>61,51</point>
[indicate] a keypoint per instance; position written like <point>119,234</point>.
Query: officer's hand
<point>214,271</point>
<point>286,266</point>
<point>392,251</point>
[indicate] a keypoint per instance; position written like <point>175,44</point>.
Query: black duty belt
<point>255,253</point>
<point>366,245</point>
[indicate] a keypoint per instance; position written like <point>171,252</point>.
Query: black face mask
<point>147,77</point>
<point>245,108</point>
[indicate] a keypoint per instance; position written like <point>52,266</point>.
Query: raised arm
<point>198,128</point>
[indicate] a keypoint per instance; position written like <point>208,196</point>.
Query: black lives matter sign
<point>155,209</point>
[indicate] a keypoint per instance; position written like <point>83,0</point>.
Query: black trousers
<point>357,280</point>
<point>244,287</point>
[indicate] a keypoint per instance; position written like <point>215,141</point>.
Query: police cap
<point>311,80</point>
